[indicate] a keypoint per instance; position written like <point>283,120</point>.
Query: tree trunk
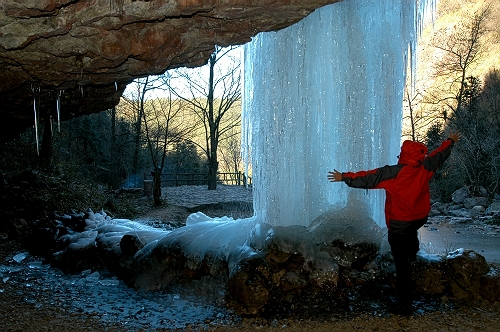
<point>213,166</point>
<point>157,186</point>
<point>137,146</point>
<point>115,181</point>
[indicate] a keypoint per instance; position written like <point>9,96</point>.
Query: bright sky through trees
<point>236,53</point>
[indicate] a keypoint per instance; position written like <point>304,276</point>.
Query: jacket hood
<point>412,153</point>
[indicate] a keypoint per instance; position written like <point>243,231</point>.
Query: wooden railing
<point>181,179</point>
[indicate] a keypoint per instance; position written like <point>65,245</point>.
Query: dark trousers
<point>403,239</point>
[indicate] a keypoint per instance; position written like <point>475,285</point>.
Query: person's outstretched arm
<point>455,136</point>
<point>334,176</point>
<point>366,179</point>
<point>437,157</point>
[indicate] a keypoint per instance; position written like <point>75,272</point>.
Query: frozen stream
<point>110,300</point>
<point>440,236</point>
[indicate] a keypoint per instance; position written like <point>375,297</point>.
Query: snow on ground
<point>190,196</point>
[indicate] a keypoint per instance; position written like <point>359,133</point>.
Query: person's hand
<point>334,176</point>
<point>455,136</point>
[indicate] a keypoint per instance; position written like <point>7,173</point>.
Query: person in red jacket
<point>407,203</point>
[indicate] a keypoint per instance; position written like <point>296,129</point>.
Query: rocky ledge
<point>264,268</point>
<point>84,52</point>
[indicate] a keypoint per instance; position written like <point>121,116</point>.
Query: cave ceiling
<point>85,52</point>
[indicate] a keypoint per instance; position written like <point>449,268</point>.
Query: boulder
<point>476,211</point>
<point>493,208</point>
<point>490,286</point>
<point>460,195</point>
<point>429,274</point>
<point>461,213</point>
<point>466,268</point>
<point>325,272</point>
<point>461,275</point>
<point>249,279</point>
<point>470,202</point>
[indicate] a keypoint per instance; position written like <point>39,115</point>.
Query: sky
<point>180,88</point>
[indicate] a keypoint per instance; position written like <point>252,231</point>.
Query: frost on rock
<point>326,271</point>
<point>20,257</point>
<point>283,242</point>
<point>429,257</point>
<point>349,235</point>
<point>204,244</point>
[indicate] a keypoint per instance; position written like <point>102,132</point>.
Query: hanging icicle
<point>34,92</point>
<point>81,90</point>
<point>58,108</point>
<point>116,86</point>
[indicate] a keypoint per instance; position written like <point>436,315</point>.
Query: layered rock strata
<point>84,52</point>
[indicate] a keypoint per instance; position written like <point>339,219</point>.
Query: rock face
<point>84,52</point>
<point>280,268</point>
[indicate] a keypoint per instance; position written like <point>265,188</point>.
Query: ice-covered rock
<point>80,253</point>
<point>348,235</point>
<point>289,242</point>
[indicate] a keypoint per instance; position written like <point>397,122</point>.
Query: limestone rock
<point>82,47</point>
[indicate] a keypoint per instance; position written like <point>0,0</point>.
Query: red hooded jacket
<point>407,183</point>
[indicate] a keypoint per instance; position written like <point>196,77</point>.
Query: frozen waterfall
<point>327,93</point>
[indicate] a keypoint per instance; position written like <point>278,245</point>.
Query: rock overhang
<point>85,52</point>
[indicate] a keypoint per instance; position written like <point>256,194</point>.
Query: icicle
<point>58,107</point>
<point>116,86</point>
<point>81,90</point>
<point>34,91</point>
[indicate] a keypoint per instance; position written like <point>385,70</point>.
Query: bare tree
<point>231,153</point>
<point>165,124</point>
<point>212,92</point>
<point>462,48</point>
<point>135,105</point>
